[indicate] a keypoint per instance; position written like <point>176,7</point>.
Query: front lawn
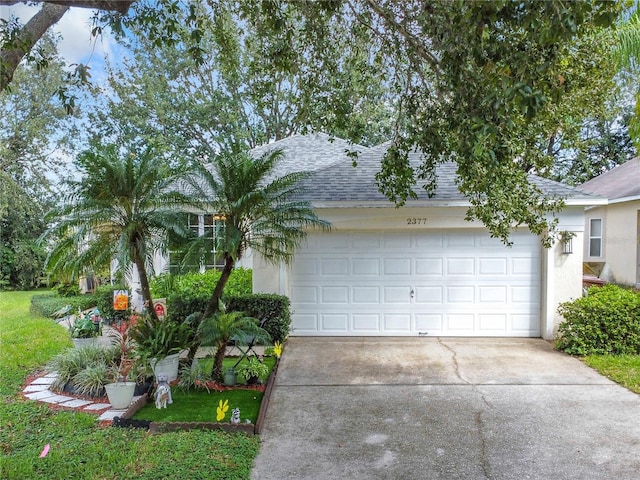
<point>78,447</point>
<point>623,369</point>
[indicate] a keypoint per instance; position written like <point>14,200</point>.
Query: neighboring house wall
<point>619,258</point>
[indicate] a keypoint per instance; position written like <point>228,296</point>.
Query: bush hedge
<point>47,304</point>
<point>605,321</point>
<point>274,308</point>
<point>167,285</point>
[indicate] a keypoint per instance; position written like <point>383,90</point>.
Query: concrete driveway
<point>444,408</point>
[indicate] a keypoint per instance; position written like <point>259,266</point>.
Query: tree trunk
<point>144,283</point>
<point>212,306</point>
<point>216,371</point>
<point>12,53</point>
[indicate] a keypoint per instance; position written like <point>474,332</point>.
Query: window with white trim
<point>207,226</point>
<point>595,237</point>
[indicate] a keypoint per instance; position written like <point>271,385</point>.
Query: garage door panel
<point>493,294</point>
<point>338,294</point>
<point>493,322</point>
<point>429,323</point>
<point>416,283</point>
<point>364,323</point>
<point>368,267</point>
<point>396,323</point>
<point>492,266</point>
<point>460,239</point>
<point>396,241</point>
<point>397,266</point>
<point>460,322</point>
<point>334,266</point>
<point>334,322</point>
<point>304,294</point>
<point>525,266</point>
<point>366,295</point>
<point>463,294</point>
<point>461,266</point>
<point>428,294</point>
<point>396,295</point>
<point>305,323</point>
<point>429,266</point>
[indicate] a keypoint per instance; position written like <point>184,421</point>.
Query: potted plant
<point>252,371</point>
<point>159,343</point>
<point>83,330</point>
<point>121,391</point>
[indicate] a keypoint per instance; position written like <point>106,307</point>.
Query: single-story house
<point>612,238</point>
<point>421,269</point>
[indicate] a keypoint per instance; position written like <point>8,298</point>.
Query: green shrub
<point>67,289</point>
<point>47,304</point>
<point>274,308</point>
<point>158,338</point>
<point>167,285</point>
<point>606,321</point>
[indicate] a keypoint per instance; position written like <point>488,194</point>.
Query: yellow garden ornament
<point>221,411</point>
<point>277,349</point>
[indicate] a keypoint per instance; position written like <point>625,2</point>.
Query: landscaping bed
<point>198,408</point>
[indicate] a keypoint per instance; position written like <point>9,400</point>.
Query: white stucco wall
<point>620,242</point>
<point>561,273</point>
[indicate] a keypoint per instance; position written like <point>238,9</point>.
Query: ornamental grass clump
<point>604,322</point>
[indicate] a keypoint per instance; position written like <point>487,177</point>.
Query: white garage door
<point>449,283</point>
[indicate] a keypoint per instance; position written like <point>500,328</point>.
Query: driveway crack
<point>479,423</point>
<point>454,359</point>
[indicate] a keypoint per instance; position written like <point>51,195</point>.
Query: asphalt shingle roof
<point>620,182</point>
<point>335,179</point>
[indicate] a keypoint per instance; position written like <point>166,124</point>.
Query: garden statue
<point>163,392</point>
<point>235,415</point>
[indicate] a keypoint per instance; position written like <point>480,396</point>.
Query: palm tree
<point>258,210</point>
<point>218,330</point>
<point>123,207</point>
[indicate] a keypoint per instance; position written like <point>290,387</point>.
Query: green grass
<point>200,406</point>
<point>623,369</point>
<point>79,448</point>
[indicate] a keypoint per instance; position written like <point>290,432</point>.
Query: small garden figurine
<point>163,392</point>
<point>235,415</point>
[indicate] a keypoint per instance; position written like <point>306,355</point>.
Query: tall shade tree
<point>258,210</point>
<point>124,207</point>
<point>628,54</point>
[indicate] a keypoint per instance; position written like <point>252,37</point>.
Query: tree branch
<point>14,51</point>
<point>120,6</point>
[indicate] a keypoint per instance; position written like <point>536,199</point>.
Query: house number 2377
<point>416,221</point>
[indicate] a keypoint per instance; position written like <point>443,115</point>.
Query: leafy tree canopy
<point>479,83</point>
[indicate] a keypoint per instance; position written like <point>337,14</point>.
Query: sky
<point>76,45</point>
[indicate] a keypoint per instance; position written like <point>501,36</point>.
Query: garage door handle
<point>412,293</point>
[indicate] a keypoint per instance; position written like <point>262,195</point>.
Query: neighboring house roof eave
<point>586,202</point>
<point>624,199</point>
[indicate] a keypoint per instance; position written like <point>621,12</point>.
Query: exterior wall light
<point>567,242</point>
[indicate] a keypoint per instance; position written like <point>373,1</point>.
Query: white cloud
<point>77,45</point>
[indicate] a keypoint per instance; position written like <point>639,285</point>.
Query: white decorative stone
<point>44,381</point>
<point>111,414</point>
<point>40,395</point>
<point>76,402</point>
<point>97,406</point>
<point>56,399</point>
<point>35,388</point>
